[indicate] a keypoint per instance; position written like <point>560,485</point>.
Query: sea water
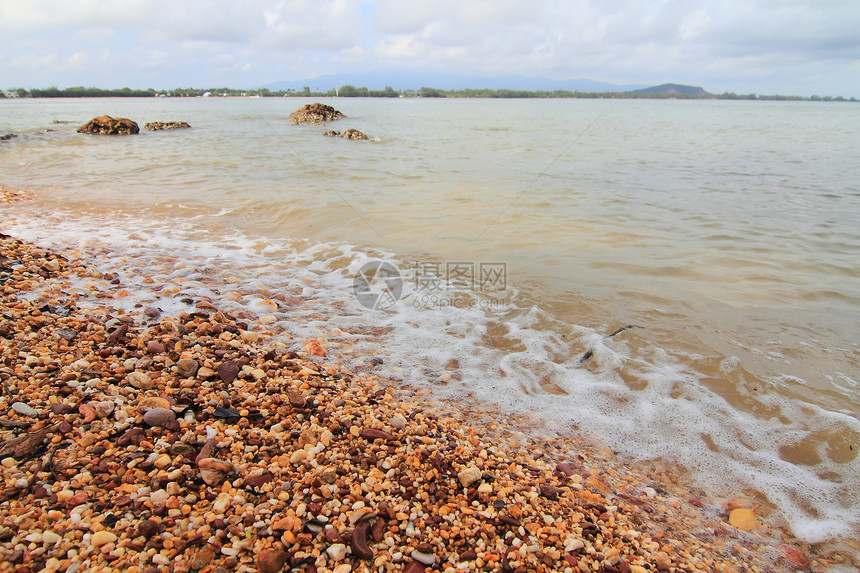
<point>517,236</point>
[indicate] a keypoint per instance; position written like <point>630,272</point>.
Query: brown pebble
<point>378,532</point>
<point>373,434</point>
<point>154,347</point>
<point>305,538</point>
<point>565,469</point>
<point>424,548</point>
<point>147,528</point>
<point>415,567</point>
<point>358,542</point>
<point>271,561</point>
<point>60,408</point>
<point>468,555</point>
<point>549,492</point>
<point>118,333</point>
<point>159,416</point>
<point>259,480</point>
<point>129,436</point>
<point>228,371</point>
<point>296,400</point>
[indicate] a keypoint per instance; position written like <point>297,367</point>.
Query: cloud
<point>765,44</point>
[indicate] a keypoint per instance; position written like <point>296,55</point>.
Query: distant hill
<point>417,80</point>
<point>669,89</point>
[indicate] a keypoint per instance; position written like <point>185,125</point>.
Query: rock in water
<point>107,125</point>
<point>316,114</point>
<point>332,133</point>
<point>161,125</point>
<point>354,134</point>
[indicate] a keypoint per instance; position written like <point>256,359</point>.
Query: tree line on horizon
<point>389,92</point>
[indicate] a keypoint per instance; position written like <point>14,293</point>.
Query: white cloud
<point>717,44</point>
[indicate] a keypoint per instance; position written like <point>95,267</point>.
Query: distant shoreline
<point>673,92</point>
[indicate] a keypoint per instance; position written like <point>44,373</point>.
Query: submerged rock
<point>354,134</point>
<point>348,134</point>
<point>315,114</point>
<point>162,125</point>
<point>107,125</point>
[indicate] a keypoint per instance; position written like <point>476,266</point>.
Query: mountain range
<point>416,80</point>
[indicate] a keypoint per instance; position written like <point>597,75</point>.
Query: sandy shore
<point>146,442</point>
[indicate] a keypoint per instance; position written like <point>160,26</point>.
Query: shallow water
<point>728,230</point>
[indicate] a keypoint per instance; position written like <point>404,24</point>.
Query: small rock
<point>107,125</point>
<point>228,371</point>
<point>373,434</point>
<point>187,367</point>
<point>159,416</point>
<point>271,561</point>
<point>250,336</point>
<point>296,400</point>
<point>147,528</point>
<point>60,408</point>
<point>259,480</point>
<point>162,125</point>
<point>337,551</point>
<point>66,333</point>
<point>213,471</point>
<point>154,347</point>
<point>139,380</point>
<point>414,567</point>
<point>425,558</point>
<point>25,410</point>
<point>204,373</point>
<point>469,476</point>
<point>100,538</point>
<point>151,402</point>
<point>354,134</point>
<point>332,133</point>
<point>104,408</point>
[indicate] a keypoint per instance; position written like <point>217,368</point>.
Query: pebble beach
<point>143,440</point>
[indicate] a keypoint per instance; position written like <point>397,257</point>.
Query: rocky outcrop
<point>315,114</point>
<point>348,134</point>
<point>107,125</point>
<point>160,125</point>
<point>8,136</point>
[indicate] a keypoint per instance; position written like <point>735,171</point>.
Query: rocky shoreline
<point>139,441</point>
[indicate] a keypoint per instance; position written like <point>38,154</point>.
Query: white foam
<point>512,354</point>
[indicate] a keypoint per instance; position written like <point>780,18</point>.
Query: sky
<point>789,47</point>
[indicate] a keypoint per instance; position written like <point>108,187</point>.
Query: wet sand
<point>142,441</point>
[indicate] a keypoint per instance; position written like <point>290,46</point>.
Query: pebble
<point>159,416</point>
<point>103,537</point>
<point>425,558</point>
<point>25,410</point>
<point>139,380</point>
<point>186,367</point>
<point>337,551</point>
<point>104,408</point>
<point>228,371</point>
<point>469,476</point>
<point>271,561</point>
<point>155,347</point>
